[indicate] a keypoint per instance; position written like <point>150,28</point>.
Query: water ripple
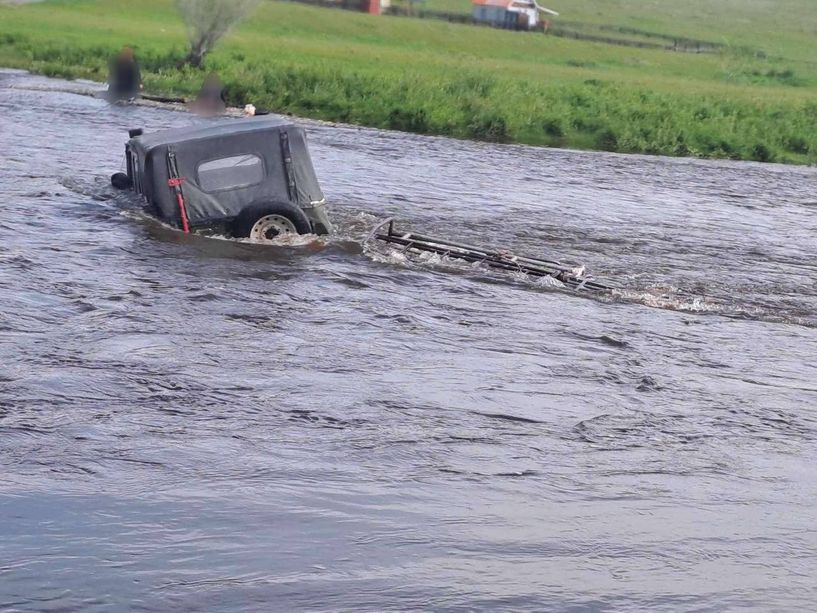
<point>192,423</point>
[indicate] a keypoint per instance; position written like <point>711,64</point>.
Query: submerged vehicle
<point>249,178</point>
<point>253,178</point>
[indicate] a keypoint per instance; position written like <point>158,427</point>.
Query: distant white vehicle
<point>510,14</point>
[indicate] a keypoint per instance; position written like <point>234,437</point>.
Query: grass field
<point>757,99</point>
<point>785,28</point>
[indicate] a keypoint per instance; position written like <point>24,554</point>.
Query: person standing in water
<point>210,100</point>
<point>125,78</point>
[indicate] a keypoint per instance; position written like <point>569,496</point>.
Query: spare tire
<point>267,220</point>
<point>121,181</point>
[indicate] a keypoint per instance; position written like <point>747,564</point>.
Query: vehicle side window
<point>230,173</point>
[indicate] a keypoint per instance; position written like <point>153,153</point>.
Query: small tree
<point>208,21</point>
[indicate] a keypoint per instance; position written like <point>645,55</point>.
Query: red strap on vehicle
<point>176,183</point>
<point>183,214</point>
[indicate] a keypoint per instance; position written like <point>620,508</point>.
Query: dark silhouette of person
<point>124,78</point>
<point>210,100</point>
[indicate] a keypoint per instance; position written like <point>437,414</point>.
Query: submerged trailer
<point>497,259</point>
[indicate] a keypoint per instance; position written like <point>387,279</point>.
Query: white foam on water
<point>669,298</point>
<point>390,256</point>
<point>546,281</point>
<point>283,240</point>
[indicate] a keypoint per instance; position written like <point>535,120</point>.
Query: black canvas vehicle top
<point>244,178</point>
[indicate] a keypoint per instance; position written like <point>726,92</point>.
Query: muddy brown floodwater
<point>200,424</point>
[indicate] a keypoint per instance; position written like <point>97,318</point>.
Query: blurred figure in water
<point>210,100</point>
<point>124,77</point>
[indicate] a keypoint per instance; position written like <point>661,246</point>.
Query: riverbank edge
<point>232,112</point>
<point>235,110</point>
<point>588,116</point>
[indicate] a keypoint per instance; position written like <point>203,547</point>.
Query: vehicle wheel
<point>121,181</point>
<point>266,221</point>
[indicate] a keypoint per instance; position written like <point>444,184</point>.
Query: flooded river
<point>200,424</point>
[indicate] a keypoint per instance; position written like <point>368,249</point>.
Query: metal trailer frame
<point>498,259</point>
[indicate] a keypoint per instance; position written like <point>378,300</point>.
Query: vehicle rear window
<point>232,172</point>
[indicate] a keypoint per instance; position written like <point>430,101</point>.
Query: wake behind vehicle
<point>251,178</point>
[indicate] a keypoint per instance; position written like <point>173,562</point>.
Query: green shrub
<point>606,140</point>
<point>408,120</point>
<point>761,153</point>
<point>553,127</point>
<point>488,126</point>
<point>797,144</point>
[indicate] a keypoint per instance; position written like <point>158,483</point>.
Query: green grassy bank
<point>439,78</point>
